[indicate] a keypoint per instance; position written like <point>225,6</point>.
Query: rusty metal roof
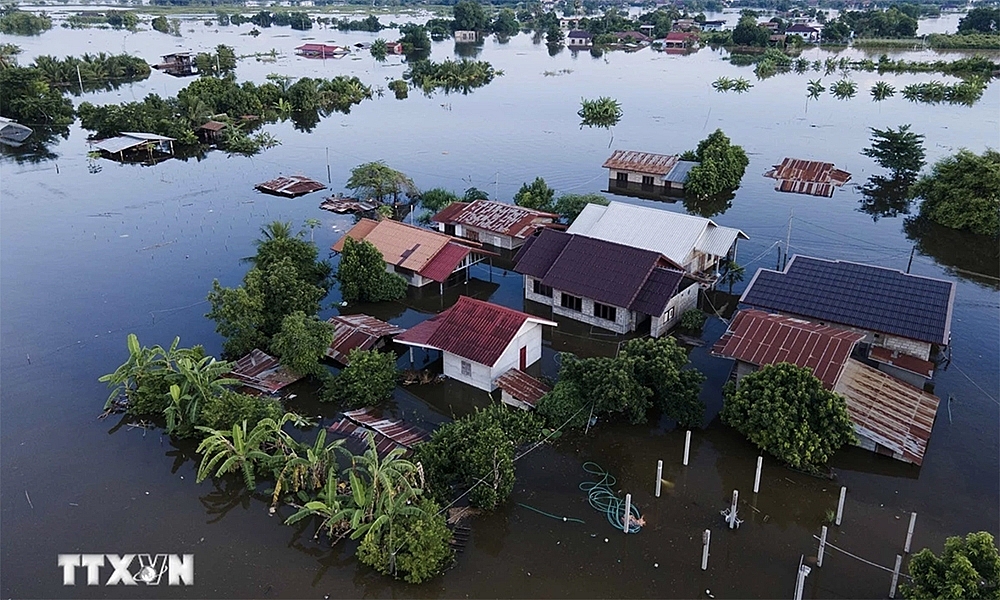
<point>262,372</point>
<point>497,217</point>
<point>291,186</point>
<point>355,437</point>
<point>890,412</point>
<point>401,433</point>
<point>924,368</point>
<point>641,162</point>
<point>522,386</point>
<point>807,177</point>
<point>473,329</point>
<point>759,338</point>
<point>445,262</point>
<point>357,332</point>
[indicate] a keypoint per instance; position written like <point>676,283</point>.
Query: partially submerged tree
<point>569,206</point>
<point>963,192</point>
<point>901,151</point>
<point>720,169</point>
<point>362,274</point>
<point>968,568</point>
<point>603,112</point>
<point>437,199</point>
<point>369,379</point>
<point>378,181</point>
<point>301,343</point>
<point>785,411</point>
<point>537,195</point>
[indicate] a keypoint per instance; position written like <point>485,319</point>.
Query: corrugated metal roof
<point>128,140</point>
<point>290,186</point>
<point>857,295</point>
<point>674,235</point>
<point>357,332</point>
<point>505,219</point>
<point>888,411</point>
<point>924,368</point>
<point>445,262</point>
<point>522,386</point>
<point>473,329</point>
<point>807,177</point>
<point>761,339</point>
<point>679,173</point>
<point>401,433</point>
<point>640,162</point>
<point>262,372</point>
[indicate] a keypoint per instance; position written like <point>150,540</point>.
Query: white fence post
<point>822,547</point>
<point>659,476</point>
<point>895,576</point>
<point>756,479</point>
<point>687,446</point>
<point>840,505</point>
<point>909,532</point>
<point>706,539</point>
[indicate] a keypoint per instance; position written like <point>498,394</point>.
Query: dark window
<point>449,229</point>
<point>669,315</point>
<point>466,368</point>
<point>541,289</point>
<point>603,311</point>
<point>647,182</point>
<point>572,302</point>
<point>621,180</point>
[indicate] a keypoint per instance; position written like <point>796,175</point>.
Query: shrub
<point>230,408</point>
<point>369,379</point>
<point>693,320</point>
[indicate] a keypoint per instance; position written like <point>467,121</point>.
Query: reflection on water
<point>966,255</point>
<point>885,196</point>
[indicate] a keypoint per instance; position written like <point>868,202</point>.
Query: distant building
<point>321,51</point>
<point>566,23</point>
<point>713,26</point>
<point>680,39</point>
<point>494,223</point>
<point>131,146</point>
<point>684,25</point>
<point>480,341</point>
<point>579,39</point>
<point>178,64</point>
<point>806,32</point>
<point>466,37</point>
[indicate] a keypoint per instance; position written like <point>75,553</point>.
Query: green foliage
<point>505,25</point>
<point>748,33</point>
<point>982,19</point>
<point>277,242</point>
<point>302,342</point>
<point>216,64</point>
<point>554,36</point>
<point>473,193</point>
<point>537,195</point>
<point>658,365</point>
<point>968,569</point>
<point>815,88</point>
<point>437,199</point>
<point>603,112</point>
<point>450,75</point>
<point>160,24</point>
<point>378,181</point>
<point>420,551</point>
<point>415,39</point>
<point>966,92</point>
<point>785,411</point>
<point>882,90</point>
<point>400,88</point>
<point>963,192</point>
<point>369,23</point>
<point>19,22</point>
<point>732,274</point>
<point>569,206</point>
<point>238,450</point>
<point>469,16</point>
<point>721,167</point>
<point>96,71</point>
<point>379,49</point>
<point>363,277</point>
<point>27,97</point>
<point>478,446</point>
<point>889,23</point>
<point>369,379</point>
<point>970,41</point>
<point>900,151</point>
<point>236,141</point>
<point>693,320</point>
<point>229,408</point>
<point>844,89</point>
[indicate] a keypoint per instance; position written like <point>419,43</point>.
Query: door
<point>524,358</point>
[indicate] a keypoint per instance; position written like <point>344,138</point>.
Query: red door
<point>524,357</point>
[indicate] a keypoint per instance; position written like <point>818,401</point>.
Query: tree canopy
<point>748,33</point>
<point>569,206</point>
<point>369,379</point>
<point>302,342</point>
<point>900,151</point>
<point>982,19</point>
<point>28,98</point>
<point>469,16</point>
<point>603,112</point>
<point>968,569</point>
<point>19,22</point>
<point>963,192</point>
<point>785,411</point>
<point>536,195</point>
<point>363,277</point>
<point>436,199</point>
<point>379,181</point>
<point>720,169</point>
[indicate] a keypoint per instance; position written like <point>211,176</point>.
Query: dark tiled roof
<point>535,258</point>
<point>603,271</point>
<point>856,295</point>
<point>659,288</point>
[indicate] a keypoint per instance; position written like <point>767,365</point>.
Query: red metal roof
<point>497,217</point>
<point>924,368</point>
<point>473,329</point>
<point>681,36</point>
<point>522,386</point>
<point>807,177</point>
<point>640,162</point>
<point>357,332</point>
<point>262,372</point>
<point>759,338</point>
<point>291,186</point>
<point>445,262</point>
<point>388,434</point>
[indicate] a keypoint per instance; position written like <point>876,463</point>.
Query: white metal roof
<point>127,140</point>
<point>672,234</point>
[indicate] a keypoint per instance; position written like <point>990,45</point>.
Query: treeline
<point>95,71</point>
<point>450,75</point>
<point>19,22</point>
<point>116,19</point>
<point>900,22</point>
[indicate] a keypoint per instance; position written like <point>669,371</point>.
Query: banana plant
<point>882,90</point>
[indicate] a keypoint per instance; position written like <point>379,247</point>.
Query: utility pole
<point>910,263</point>
<point>79,78</point>
<point>788,238</point>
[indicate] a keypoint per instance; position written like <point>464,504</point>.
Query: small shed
<point>810,177</point>
<point>178,64</point>
<point>13,133</point>
<point>520,390</point>
<point>389,434</point>
<point>210,132</point>
<point>262,373</point>
<point>358,332</point>
<point>130,145</point>
<point>291,186</point>
<point>343,205</point>
<point>466,37</point>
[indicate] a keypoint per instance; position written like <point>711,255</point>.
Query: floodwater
<point>92,250</point>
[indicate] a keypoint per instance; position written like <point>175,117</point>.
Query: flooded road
<point>92,250</point>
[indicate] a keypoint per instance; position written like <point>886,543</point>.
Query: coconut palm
<point>723,84</point>
<point>815,88</point>
<point>742,85</point>
<point>733,274</point>
<point>844,89</point>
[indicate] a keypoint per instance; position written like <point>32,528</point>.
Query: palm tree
<point>733,274</point>
<point>374,478</point>
<point>328,506</point>
<point>815,88</point>
<point>882,90</point>
<point>312,224</point>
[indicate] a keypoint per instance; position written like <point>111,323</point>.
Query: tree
<point>506,25</point>
<point>377,180</point>
<point>368,379</point>
<point>379,49</point>
<point>240,450</point>
<point>19,22</point>
<point>901,151</point>
<point>302,342</point>
<point>569,206</point>
<point>554,35</point>
<point>963,192</point>
<point>536,195</point>
<point>161,24</point>
<point>982,19</point>
<point>720,169</point>
<point>732,274</point>
<point>363,277</point>
<point>437,199</point>
<point>307,467</point>
<point>968,568</point>
<point>785,411</point>
<point>885,196</point>
<point>421,549</point>
<point>658,365</point>
<point>237,315</point>
<point>473,193</point>
<point>604,112</point>
<point>469,16</point>
<point>748,33</point>
<point>836,31</point>
<point>230,408</point>
<point>415,39</point>
<point>27,97</point>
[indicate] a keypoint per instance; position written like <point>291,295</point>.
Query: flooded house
<point>811,177</point>
<point>493,223</point>
<point>262,373</point>
<point>463,36</point>
<point>904,319</point>
<point>321,51</point>
<point>520,390</point>
<point>480,341</point>
<point>178,64</point>
<point>579,39</point>
<point>806,32</point>
<point>680,39</point>
<point>211,132</point>
<point>130,146</point>
<point>358,332</point>
<point>646,174</point>
<point>605,284</point>
<point>291,186</point>
<point>13,133</point>
<point>418,255</point>
<point>890,417</point>
<point>696,245</point>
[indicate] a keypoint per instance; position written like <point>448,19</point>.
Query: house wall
<point>921,350</point>
<point>579,42</point>
<point>685,300</point>
<point>414,279</point>
<point>530,336</point>
<point>625,319</point>
<point>512,401</point>
<point>913,379</point>
<point>480,377</point>
<point>635,187</point>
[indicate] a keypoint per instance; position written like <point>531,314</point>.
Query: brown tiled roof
<point>357,332</point>
<point>473,329</point>
<point>924,368</point>
<point>497,217</point>
<point>807,177</point>
<point>522,386</point>
<point>262,372</point>
<point>641,162</point>
<point>890,412</point>
<point>759,338</point>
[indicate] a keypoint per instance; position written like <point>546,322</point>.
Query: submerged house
<point>480,341</point>
<point>463,36</point>
<point>13,133</point>
<point>608,285</point>
<point>358,332</point>
<point>806,32</point>
<point>646,174</point>
<point>904,319</point>
<point>291,186</point>
<point>494,223</point>
<point>577,39</point>
<point>809,177</point>
<point>178,64</point>
<point>261,373</point>
<point>520,390</point>
<point>133,146</point>
<point>419,255</point>
<point>890,417</point>
<point>694,244</point>
<point>321,51</point>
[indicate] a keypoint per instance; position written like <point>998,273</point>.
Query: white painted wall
<point>685,300</point>
<point>480,377</point>
<point>530,335</point>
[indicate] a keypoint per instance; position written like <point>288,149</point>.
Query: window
<point>621,180</point>
<point>541,289</point>
<point>472,235</point>
<point>466,368</point>
<point>572,302</point>
<point>669,315</point>
<point>647,182</point>
<point>449,228</point>
<point>603,311</point>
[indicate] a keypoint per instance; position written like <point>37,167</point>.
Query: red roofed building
<point>480,341</point>
<point>321,51</point>
<point>494,223</point>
